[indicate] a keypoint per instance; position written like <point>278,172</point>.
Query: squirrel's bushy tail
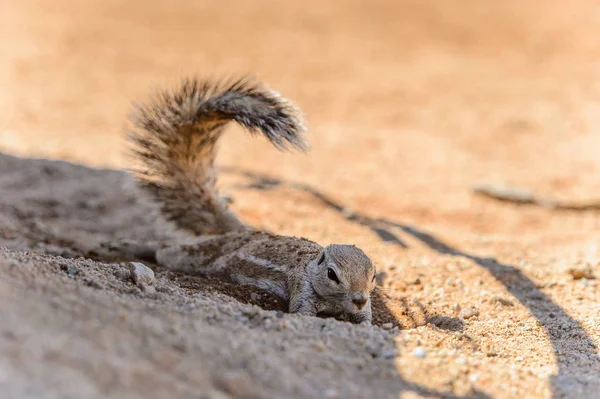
<point>174,136</point>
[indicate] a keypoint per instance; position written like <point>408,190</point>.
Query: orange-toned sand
<point>409,104</point>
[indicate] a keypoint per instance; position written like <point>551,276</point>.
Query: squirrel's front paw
<point>361,317</point>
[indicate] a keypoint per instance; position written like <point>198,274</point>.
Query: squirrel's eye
<point>321,259</point>
<point>332,276</point>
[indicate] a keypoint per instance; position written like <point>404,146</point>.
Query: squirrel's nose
<point>360,301</point>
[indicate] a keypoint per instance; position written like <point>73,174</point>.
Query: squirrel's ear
<point>321,259</point>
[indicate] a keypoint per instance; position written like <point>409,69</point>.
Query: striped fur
<point>174,136</point>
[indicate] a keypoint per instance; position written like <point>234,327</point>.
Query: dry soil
<point>409,104</point>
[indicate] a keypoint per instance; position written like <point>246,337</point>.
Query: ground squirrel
<point>174,138</point>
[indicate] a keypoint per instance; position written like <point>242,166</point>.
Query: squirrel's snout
<point>360,301</point>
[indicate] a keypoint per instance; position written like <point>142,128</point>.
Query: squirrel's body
<point>175,137</point>
<point>255,258</point>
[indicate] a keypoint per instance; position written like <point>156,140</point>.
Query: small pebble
<point>389,353</point>
<point>285,325</point>
<point>140,273</point>
<point>415,281</point>
<point>348,213</point>
<point>419,353</point>
<point>467,313</point>
<point>254,296</point>
<point>578,274</point>
<point>502,301</point>
<point>387,326</point>
<point>319,346</point>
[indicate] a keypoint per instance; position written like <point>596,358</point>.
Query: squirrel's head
<point>344,276</point>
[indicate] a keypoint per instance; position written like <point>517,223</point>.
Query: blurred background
<point>408,102</point>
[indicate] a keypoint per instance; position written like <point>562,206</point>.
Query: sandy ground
<point>409,103</point>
